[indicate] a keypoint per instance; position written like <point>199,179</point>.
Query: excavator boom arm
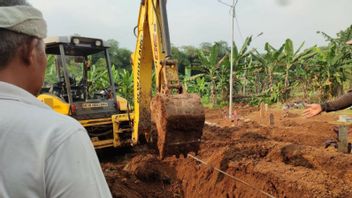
<point>170,106</point>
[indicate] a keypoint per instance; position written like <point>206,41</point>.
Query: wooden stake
<point>342,145</point>
<point>271,120</point>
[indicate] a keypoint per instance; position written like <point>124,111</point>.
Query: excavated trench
<point>284,160</point>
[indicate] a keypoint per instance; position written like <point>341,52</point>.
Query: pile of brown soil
<point>287,159</point>
<point>143,176</point>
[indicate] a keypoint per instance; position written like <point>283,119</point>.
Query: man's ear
<point>29,52</point>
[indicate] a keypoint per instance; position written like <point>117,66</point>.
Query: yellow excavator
<point>177,116</point>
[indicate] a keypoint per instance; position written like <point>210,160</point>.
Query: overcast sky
<point>195,21</point>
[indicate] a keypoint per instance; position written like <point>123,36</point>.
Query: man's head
<point>22,50</point>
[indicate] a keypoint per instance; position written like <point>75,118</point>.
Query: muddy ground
<point>286,159</point>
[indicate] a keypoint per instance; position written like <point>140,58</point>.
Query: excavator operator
<point>42,153</point>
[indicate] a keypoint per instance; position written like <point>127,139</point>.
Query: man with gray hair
<point>42,153</point>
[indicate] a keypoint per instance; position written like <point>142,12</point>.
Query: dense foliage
<point>270,75</point>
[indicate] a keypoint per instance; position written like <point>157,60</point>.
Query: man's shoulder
<point>48,117</point>
<point>56,128</point>
<point>43,123</point>
<point>41,130</point>
<point>63,121</point>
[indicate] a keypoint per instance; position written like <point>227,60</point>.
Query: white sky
<point>195,21</point>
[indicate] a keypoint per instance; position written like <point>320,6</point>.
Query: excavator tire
<point>179,121</point>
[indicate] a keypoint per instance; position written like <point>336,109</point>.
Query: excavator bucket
<point>179,121</point>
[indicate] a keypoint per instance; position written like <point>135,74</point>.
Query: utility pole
<point>233,15</point>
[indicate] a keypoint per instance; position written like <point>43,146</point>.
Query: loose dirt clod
<point>148,169</point>
<point>143,176</point>
<point>250,136</point>
<point>292,154</point>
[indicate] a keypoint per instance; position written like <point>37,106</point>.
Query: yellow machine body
<point>55,103</point>
<point>106,116</point>
<point>177,115</point>
<point>114,121</point>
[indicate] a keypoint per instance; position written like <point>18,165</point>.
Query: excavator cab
<point>74,91</point>
<point>177,116</point>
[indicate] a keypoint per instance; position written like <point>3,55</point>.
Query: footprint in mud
<point>292,154</point>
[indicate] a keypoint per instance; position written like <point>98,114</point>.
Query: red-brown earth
<point>286,159</point>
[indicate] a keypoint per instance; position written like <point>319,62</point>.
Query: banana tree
<point>223,81</point>
<point>98,78</point>
<point>124,80</point>
<point>239,60</point>
<point>210,63</point>
<point>304,74</point>
<point>188,79</point>
<point>338,53</point>
<point>270,61</point>
<point>292,58</point>
<point>50,72</point>
<point>201,86</point>
<point>335,66</point>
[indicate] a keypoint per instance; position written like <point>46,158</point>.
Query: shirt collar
<point>12,92</point>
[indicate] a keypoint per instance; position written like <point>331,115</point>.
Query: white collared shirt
<point>42,153</point>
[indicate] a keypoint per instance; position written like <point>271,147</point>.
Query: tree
<point>269,61</point>
<point>124,80</point>
<point>290,59</point>
<point>333,70</point>
<point>304,73</point>
<point>181,57</point>
<point>210,63</point>
<point>338,55</point>
<point>239,59</point>
<point>50,72</point>
<point>120,57</point>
